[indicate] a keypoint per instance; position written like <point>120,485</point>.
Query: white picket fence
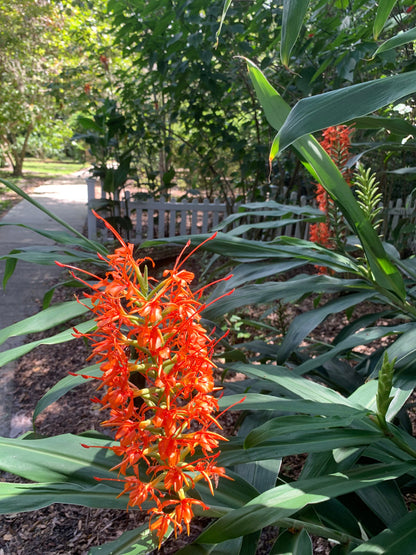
<point>164,218</point>
<point>153,219</point>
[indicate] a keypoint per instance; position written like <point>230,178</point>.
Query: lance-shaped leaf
<point>303,324</point>
<point>395,125</point>
<point>397,538</point>
<point>227,4</point>
<point>398,40</point>
<point>87,243</point>
<point>62,337</point>
<point>359,338</point>
<point>132,542</point>
<point>59,459</point>
<point>285,500</point>
<point>293,14</point>
<point>65,385</point>
<point>259,401</point>
<point>383,11</point>
<point>295,543</point>
<point>334,107</point>
<point>280,427</point>
<point>311,441</point>
<point>320,165</point>
<point>49,318</point>
<point>18,498</point>
<point>288,291</point>
<point>294,384</point>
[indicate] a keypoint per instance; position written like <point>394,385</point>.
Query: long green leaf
<point>59,459</point>
<point>385,500</point>
<point>245,250</point>
<point>395,125</point>
<point>314,441</point>
<point>398,538</point>
<point>294,384</point>
<point>261,474</point>
<point>230,494</point>
<point>258,401</point>
<point>65,385</point>
<point>61,237</point>
<point>303,324</point>
<point>276,428</point>
<point>292,543</point>
<point>334,107</point>
<point>244,273</point>
<point>62,337</point>
<point>227,4</point>
<point>383,11</point>
<point>293,15</point>
<point>288,291</point>
<point>17,498</point>
<point>401,38</point>
<point>46,319</point>
<point>316,160</point>
<point>132,542</point>
<point>48,256</point>
<point>285,500</point>
<point>359,338</point>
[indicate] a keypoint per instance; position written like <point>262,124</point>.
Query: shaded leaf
<point>322,168</point>
<point>398,538</point>
<point>292,543</point>
<point>303,324</point>
<point>285,500</point>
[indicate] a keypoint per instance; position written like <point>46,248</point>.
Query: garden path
<point>66,197</point>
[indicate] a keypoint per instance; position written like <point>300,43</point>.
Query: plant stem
<point>389,434</point>
<point>318,530</point>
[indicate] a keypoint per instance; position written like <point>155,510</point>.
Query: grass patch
<point>36,167</point>
<point>5,205</point>
<point>50,167</point>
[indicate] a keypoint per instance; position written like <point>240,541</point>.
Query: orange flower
<point>336,142</point>
<point>154,330</point>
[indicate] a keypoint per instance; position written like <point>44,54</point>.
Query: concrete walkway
<point>67,198</point>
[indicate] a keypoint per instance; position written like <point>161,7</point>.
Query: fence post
<point>194,217</point>
<point>91,219</point>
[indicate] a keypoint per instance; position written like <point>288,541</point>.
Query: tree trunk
<point>17,166</point>
<point>19,156</point>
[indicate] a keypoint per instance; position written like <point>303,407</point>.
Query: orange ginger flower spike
<point>336,142</point>
<point>154,329</point>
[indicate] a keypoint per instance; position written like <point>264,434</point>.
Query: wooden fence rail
<point>153,219</point>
